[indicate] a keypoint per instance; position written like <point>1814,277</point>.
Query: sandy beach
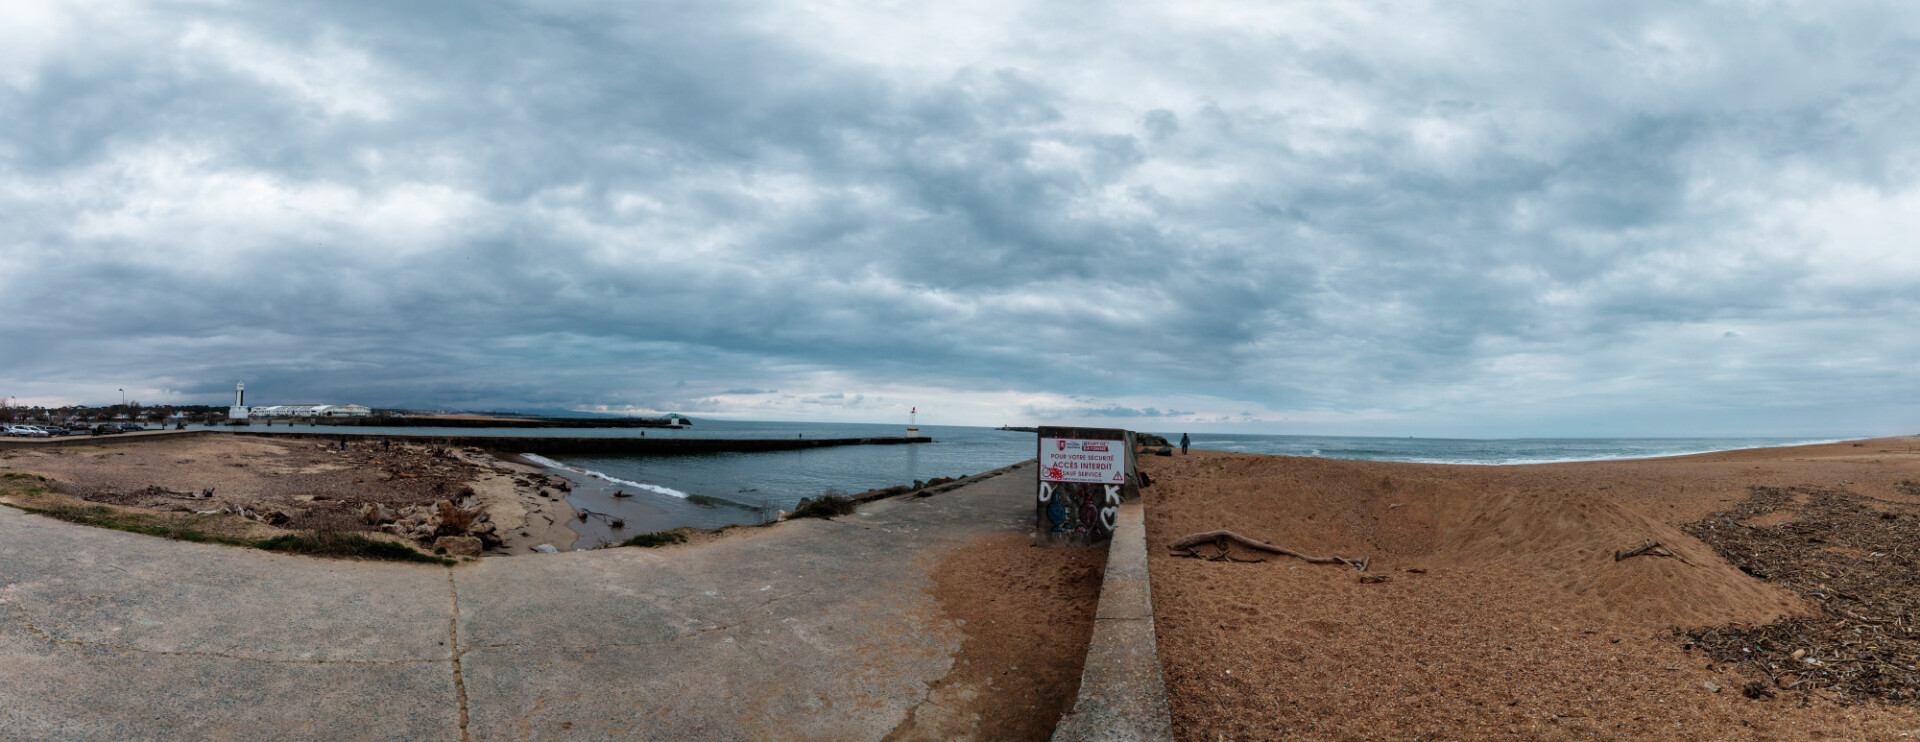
<point>1504,614</point>
<point>317,485</point>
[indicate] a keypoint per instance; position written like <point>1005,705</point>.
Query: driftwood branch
<point>1651,548</point>
<point>616,523</point>
<point>1224,540</point>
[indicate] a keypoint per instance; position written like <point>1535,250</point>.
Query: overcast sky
<point>1388,218</point>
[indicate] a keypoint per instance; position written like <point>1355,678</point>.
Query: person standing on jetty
<point>1183,444</point>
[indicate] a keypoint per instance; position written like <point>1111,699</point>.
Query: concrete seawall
<point>1123,692</point>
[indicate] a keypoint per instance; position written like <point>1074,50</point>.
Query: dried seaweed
<point>1856,561</point>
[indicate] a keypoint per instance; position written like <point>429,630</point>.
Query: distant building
<point>285,410</point>
<point>311,410</point>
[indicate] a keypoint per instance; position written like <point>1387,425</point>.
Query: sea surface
<point>1480,451</point>
<point>717,489</point>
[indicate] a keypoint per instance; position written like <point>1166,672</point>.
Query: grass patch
<point>825,506</point>
<point>101,516</point>
<point>346,544</point>
<point>657,538</point>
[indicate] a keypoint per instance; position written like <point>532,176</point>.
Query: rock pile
<point>260,515</point>
<point>436,523</point>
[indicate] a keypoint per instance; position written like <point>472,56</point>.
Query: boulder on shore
<point>458,545</point>
<point>376,514</point>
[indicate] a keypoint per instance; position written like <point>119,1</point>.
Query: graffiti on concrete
<point>1080,511</point>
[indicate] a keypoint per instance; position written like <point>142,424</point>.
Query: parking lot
<point>44,430</point>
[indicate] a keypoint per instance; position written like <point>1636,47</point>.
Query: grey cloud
<point>550,205</point>
<point>1073,413</point>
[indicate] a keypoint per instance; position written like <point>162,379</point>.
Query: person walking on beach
<point>1183,444</point>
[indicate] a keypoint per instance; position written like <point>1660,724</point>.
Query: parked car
<point>29,431</point>
<point>131,428</point>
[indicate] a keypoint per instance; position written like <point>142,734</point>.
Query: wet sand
<point>1504,614</point>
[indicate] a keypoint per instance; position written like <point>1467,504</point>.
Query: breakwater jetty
<point>609,445</point>
<point>484,422</point>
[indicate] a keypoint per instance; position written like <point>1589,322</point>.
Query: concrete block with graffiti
<point>1084,474</point>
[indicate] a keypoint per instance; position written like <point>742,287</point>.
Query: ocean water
<point>1478,451</point>
<point>716,489</point>
<point>711,490</point>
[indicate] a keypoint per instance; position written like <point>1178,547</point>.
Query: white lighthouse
<point>237,414</point>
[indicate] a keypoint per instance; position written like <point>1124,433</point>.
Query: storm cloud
<point>1462,219</point>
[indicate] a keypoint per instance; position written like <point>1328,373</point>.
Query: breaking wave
<point>551,464</point>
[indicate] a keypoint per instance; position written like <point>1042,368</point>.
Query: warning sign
<point>1083,460</point>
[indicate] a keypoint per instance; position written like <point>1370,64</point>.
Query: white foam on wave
<point>551,464</point>
<point>1624,456</point>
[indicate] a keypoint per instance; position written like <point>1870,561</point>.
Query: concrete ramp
<point>809,630</point>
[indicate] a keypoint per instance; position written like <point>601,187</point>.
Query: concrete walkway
<point>809,630</point>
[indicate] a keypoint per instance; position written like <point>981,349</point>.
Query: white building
<point>240,410</point>
<point>311,410</point>
<point>284,410</point>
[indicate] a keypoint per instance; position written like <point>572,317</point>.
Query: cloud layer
<point>1320,217</point>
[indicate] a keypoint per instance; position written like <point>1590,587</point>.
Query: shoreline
<point>525,497</point>
<point>508,446</point>
<point>323,482</point>
<point>592,493</point>
<point>523,512</point>
<point>1795,443</point>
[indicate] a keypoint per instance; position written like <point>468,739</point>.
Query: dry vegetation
<point>1850,555</point>
<point>32,493</point>
<point>418,491</point>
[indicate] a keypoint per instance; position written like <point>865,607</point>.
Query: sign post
<point>1084,475</point>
